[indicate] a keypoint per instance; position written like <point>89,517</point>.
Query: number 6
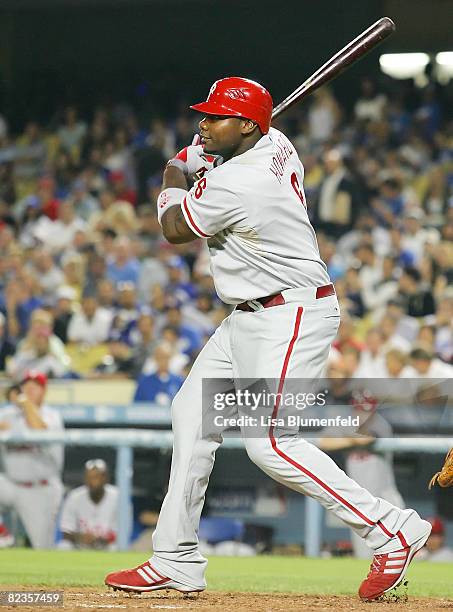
<point>297,189</point>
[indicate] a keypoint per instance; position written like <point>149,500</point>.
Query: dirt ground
<point>79,599</point>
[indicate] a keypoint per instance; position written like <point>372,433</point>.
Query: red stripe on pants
<point>297,465</point>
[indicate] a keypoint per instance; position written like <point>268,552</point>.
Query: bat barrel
<point>349,54</point>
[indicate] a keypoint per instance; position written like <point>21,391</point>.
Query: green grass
<point>21,567</point>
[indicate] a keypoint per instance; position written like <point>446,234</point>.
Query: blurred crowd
<point>90,289</point>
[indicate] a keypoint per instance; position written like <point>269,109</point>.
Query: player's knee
<point>202,459</point>
<point>259,450</point>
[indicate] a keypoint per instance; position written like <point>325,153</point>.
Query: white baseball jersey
<point>32,462</point>
<point>253,211</point>
<point>90,331</point>
<point>81,515</point>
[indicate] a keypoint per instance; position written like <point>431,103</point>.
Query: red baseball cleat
<point>388,570</point>
<point>144,578</point>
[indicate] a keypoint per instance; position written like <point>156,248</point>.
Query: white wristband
<point>172,196</point>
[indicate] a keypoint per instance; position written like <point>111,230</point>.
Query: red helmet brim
<point>211,108</point>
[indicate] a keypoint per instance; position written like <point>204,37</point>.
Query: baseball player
<point>250,207</point>
<point>371,469</point>
<point>31,483</point>
<point>89,513</point>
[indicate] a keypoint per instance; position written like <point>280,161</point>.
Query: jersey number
<point>297,189</point>
<point>200,188</point>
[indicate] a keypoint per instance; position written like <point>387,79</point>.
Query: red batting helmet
<point>238,97</point>
<point>38,377</point>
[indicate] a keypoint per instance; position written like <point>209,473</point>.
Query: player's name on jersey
<point>283,153</point>
<point>290,420</point>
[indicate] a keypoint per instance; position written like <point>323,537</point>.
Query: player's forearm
<point>335,444</point>
<point>79,538</point>
<point>174,177</point>
<point>103,542</point>
<point>74,538</point>
<point>174,226</point>
<point>88,540</point>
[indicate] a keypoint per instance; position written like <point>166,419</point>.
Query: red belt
<point>36,483</point>
<point>279,300</point>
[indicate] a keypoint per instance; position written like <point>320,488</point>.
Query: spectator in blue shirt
<point>18,303</point>
<point>123,267</point>
<point>161,385</point>
<point>390,205</point>
<point>428,115</point>
<point>126,314</point>
<point>179,285</point>
<point>190,338</point>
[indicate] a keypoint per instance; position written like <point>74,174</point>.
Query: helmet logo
<point>236,94</point>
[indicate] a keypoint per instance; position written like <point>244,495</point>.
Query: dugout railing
<point>125,440</point>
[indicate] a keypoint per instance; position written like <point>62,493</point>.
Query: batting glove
<point>192,160</point>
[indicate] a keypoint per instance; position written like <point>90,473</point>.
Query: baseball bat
<point>348,55</point>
